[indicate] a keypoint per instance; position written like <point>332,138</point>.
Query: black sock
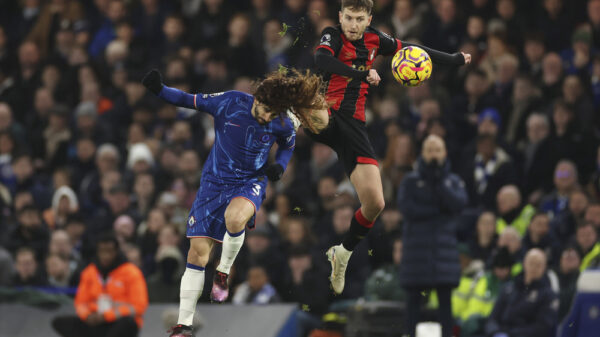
<point>357,231</point>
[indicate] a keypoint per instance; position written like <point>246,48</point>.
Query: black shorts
<point>348,137</point>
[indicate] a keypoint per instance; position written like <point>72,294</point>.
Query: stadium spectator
<point>592,215</point>
<point>486,172</point>
<point>358,267</point>
<point>163,285</point>
<point>6,267</point>
<point>405,21</point>
<point>64,203</point>
<point>552,75</point>
<point>511,211</point>
<point>382,240</point>
<point>586,241</point>
<point>513,314</point>
<point>59,274</point>
<point>564,225</point>
<point>114,12</point>
<point>483,289</point>
<point>124,229</point>
<point>539,236</point>
<point>567,272</point>
<point>306,282</point>
<point>384,283</point>
<point>482,245</point>
<point>8,124</point>
<point>565,182</point>
<point>538,158</point>
<point>257,289</point>
<point>534,49</point>
<point>30,231</point>
<point>511,240</point>
<point>429,212</point>
<point>28,270</point>
<point>62,246</point>
<point>113,309</point>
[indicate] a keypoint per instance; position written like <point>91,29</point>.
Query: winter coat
<point>429,199</point>
<point>524,311</point>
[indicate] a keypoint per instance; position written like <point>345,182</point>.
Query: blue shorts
<point>207,216</point>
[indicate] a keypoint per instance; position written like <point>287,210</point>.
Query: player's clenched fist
<point>373,77</point>
<point>153,81</point>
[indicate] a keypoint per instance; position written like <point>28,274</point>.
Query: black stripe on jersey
<point>353,88</point>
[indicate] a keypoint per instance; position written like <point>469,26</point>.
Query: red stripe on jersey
<point>367,160</point>
<point>398,46</point>
<point>338,84</point>
<point>371,41</point>
<point>326,47</point>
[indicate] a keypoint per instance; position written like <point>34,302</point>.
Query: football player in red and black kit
<point>345,54</point>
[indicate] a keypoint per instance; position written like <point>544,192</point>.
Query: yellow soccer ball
<point>411,66</point>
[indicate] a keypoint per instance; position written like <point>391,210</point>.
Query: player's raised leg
<point>239,211</point>
<point>192,284</point>
<point>367,182</point>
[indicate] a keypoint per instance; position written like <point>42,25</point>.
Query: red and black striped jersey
<point>348,94</point>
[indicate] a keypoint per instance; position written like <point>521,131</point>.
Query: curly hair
<point>301,93</point>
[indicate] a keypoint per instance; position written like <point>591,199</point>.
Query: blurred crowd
<point>85,149</point>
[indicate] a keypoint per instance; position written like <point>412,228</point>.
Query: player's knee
<point>380,205</point>
<point>198,255</point>
<point>376,206</point>
<point>235,221</point>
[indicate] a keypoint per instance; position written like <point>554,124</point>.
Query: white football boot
<point>338,256</point>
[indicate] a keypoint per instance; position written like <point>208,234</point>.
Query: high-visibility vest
<point>520,223</point>
<point>585,262</point>
<point>472,298</point>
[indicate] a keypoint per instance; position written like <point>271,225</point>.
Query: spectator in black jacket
<point>307,285</point>
<point>483,243</point>
<point>567,272</point>
<point>429,198</point>
<point>526,307</point>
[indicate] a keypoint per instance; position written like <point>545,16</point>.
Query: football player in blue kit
<point>232,186</point>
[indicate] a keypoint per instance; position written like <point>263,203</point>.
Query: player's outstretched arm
<point>326,61</point>
<point>440,57</point>
<point>153,82</point>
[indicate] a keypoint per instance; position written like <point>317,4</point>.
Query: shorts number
<point>256,189</point>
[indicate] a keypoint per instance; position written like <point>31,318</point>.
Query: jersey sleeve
<point>286,143</point>
<point>388,45</point>
<point>201,102</point>
<point>330,40</point>
<point>210,103</point>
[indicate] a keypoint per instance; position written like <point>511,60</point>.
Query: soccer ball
<point>411,66</point>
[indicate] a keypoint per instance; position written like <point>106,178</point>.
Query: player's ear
<point>369,21</point>
<point>340,16</point>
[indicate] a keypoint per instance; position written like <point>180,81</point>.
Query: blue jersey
<point>242,145</point>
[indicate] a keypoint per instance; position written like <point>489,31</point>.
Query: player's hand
<point>274,172</point>
<point>467,57</point>
<point>94,319</point>
<point>373,77</point>
<point>153,81</point>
